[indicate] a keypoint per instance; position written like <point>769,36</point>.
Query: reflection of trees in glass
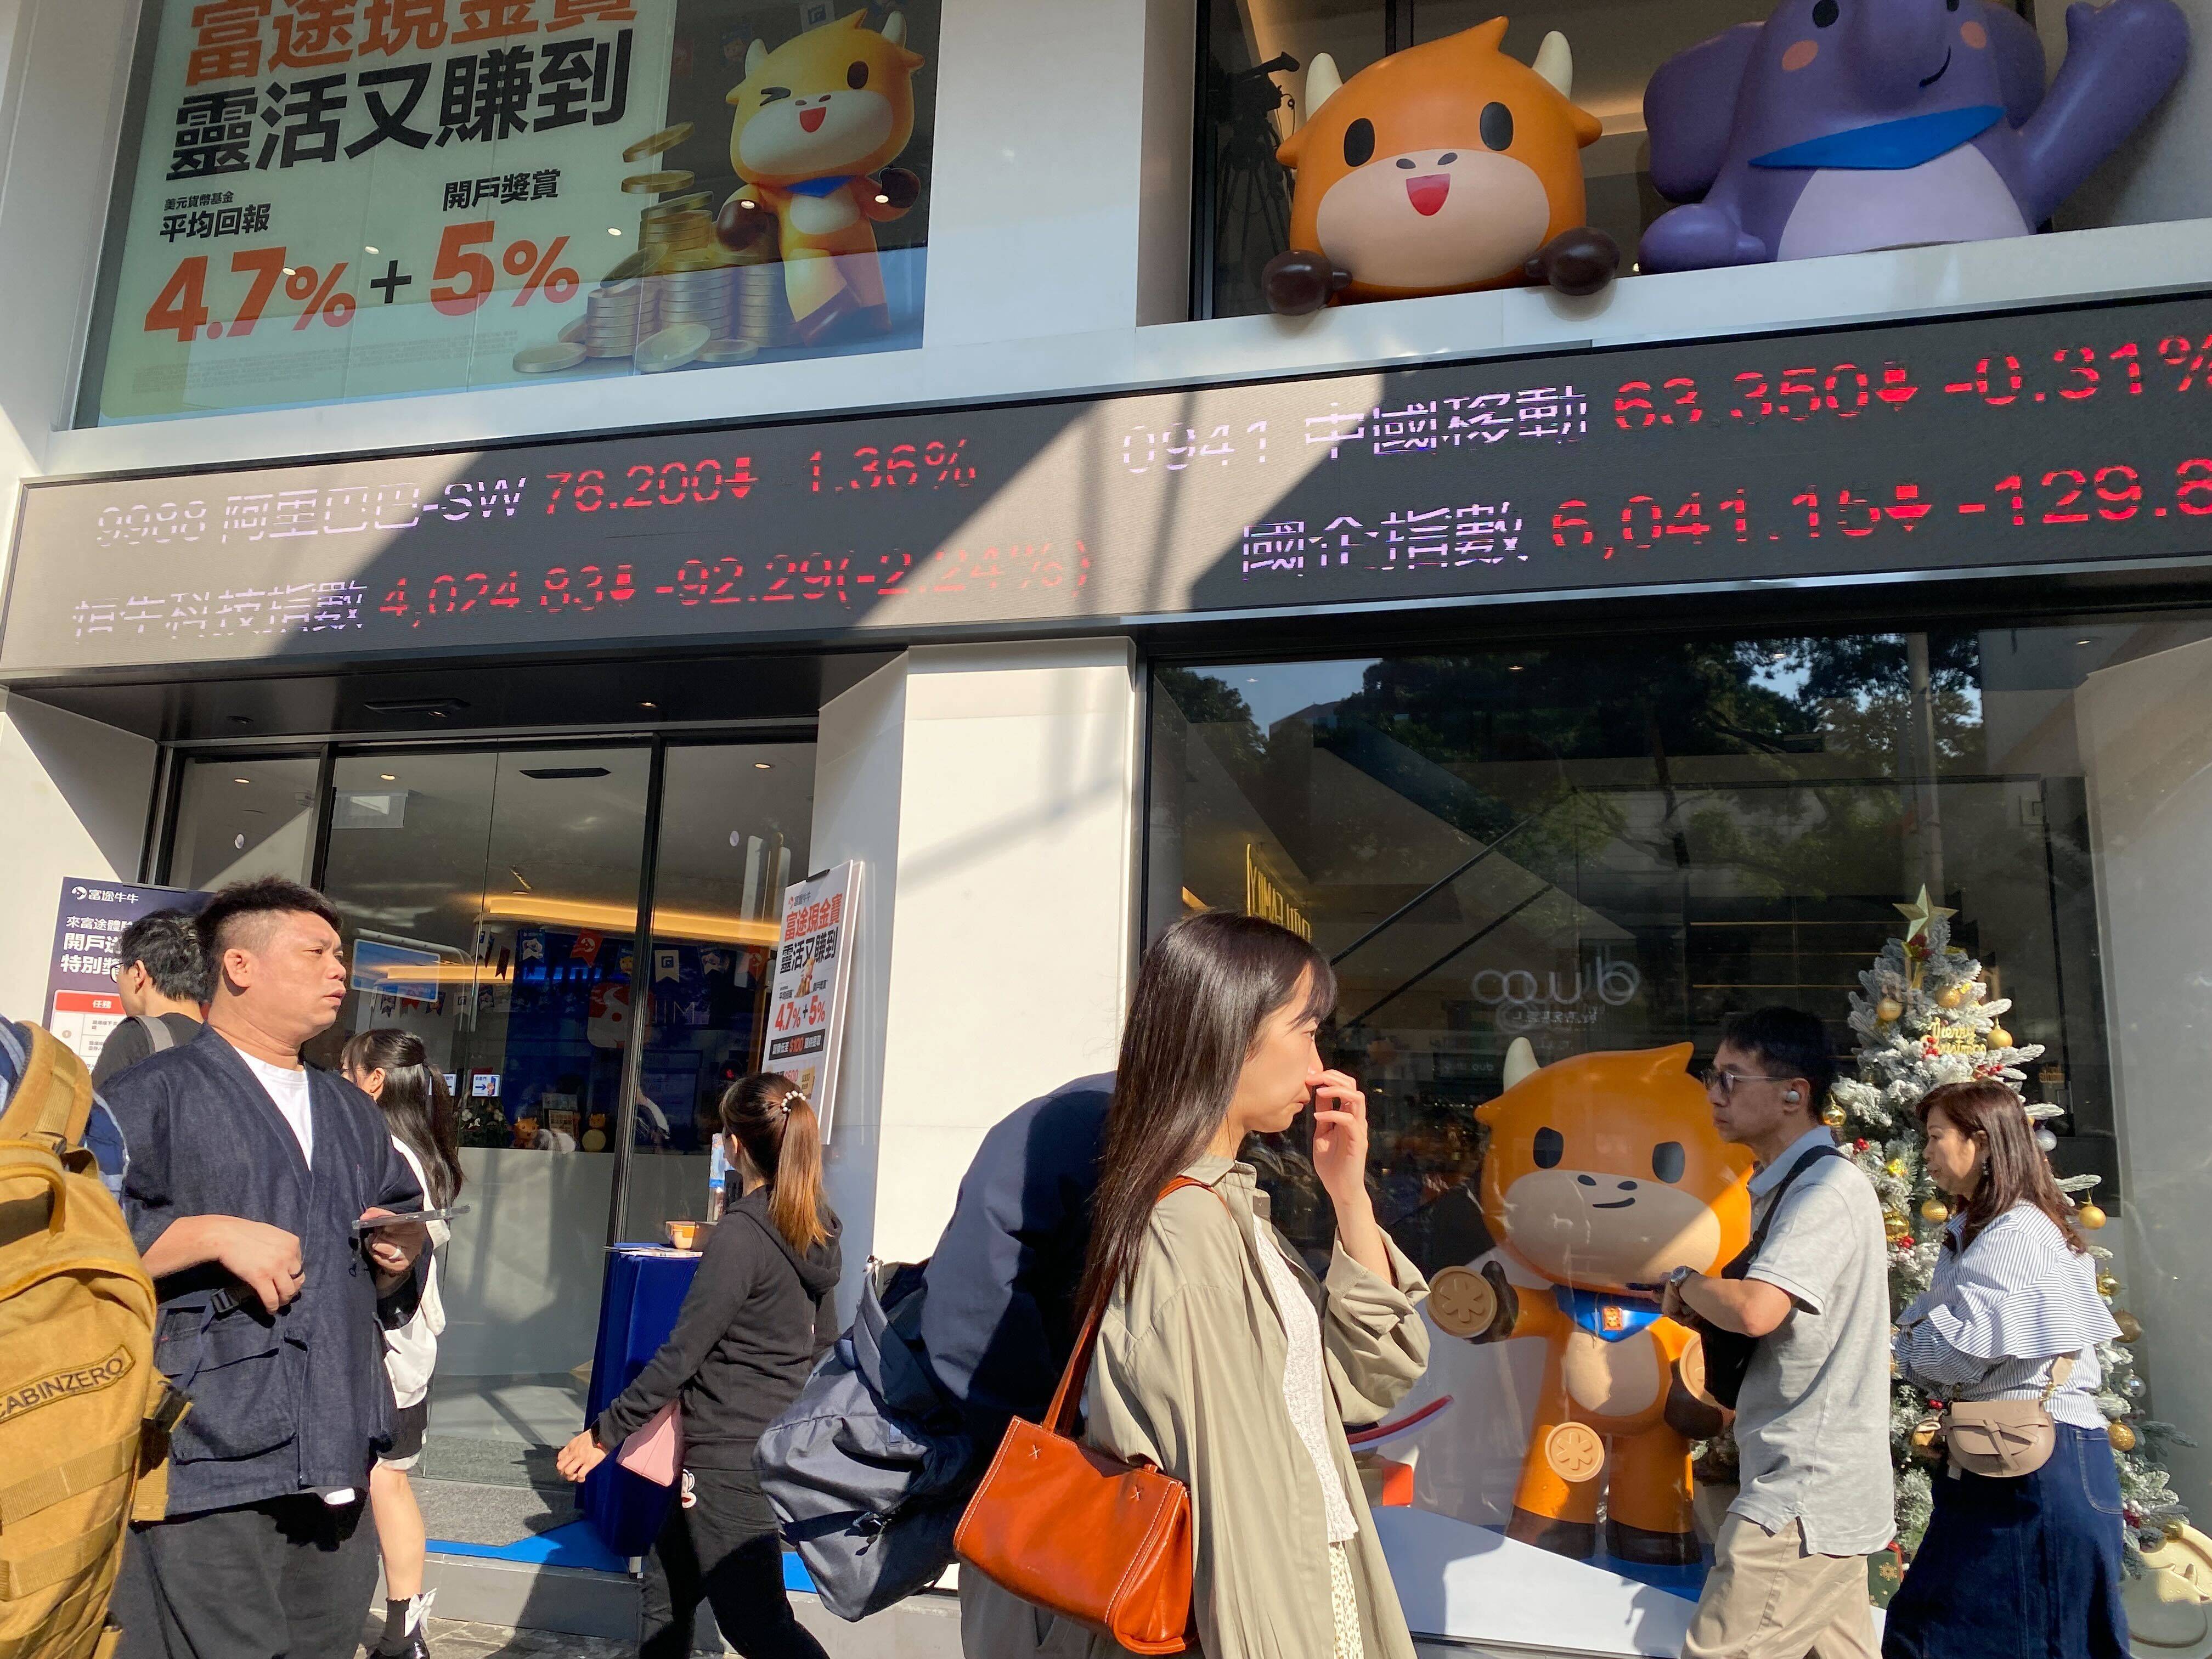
<point>1858,688</point>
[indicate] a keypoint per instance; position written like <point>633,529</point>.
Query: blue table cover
<point>644,1288</point>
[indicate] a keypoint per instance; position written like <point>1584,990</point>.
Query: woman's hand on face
<point>579,1457</point>
<point>1340,1138</point>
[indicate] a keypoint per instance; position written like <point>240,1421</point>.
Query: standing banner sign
<point>813,984</point>
<point>82,1005</point>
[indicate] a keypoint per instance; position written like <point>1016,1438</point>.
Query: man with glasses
<point>1812,1424</point>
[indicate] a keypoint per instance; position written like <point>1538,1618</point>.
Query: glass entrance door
<point>489,905</point>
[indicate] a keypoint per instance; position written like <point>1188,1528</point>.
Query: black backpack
<point>1728,1353</point>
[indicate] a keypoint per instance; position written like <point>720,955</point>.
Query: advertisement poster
<point>82,1004</point>
<point>350,198</point>
<point>813,984</point>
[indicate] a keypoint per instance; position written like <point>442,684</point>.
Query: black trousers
<point>725,1550</point>
<point>288,1579</point>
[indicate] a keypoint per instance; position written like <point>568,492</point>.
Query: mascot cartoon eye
<point>1667,1160</point>
<point>1360,142</point>
<point>1824,13</point>
<point>1497,126</point>
<point>857,77</point>
<point>1551,1147</point>
<point>770,94</point>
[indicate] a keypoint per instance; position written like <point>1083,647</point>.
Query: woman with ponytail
<point>757,1315</point>
<point>393,1069</point>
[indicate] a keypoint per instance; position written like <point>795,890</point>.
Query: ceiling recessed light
<point>372,250</point>
<point>762,766</point>
<point>241,780</point>
<point>1512,667</point>
<point>2080,641</point>
<point>648,705</point>
<point>389,777</point>
<point>611,231</point>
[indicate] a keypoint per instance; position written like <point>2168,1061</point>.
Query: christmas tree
<point>1924,1017</point>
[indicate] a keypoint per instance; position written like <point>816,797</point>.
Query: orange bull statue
<point>1603,1173</point>
<point>1442,169</point>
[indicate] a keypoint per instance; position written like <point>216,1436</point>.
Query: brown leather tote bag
<point>1081,1534</point>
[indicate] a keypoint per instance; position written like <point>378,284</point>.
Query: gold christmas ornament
<point>2122,1436</point>
<point>1951,996</point>
<point>2107,1285</point>
<point>1998,1037</point>
<point>1833,1114</point>
<point>2131,1326</point>
<point>1889,1010</point>
<point>1935,1210</point>
<point>1893,1225</point>
<point>1895,1166</point>
<point>2089,1216</point>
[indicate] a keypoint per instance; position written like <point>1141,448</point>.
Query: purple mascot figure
<point>1840,125</point>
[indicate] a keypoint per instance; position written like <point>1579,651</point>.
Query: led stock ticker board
<point>2072,437</point>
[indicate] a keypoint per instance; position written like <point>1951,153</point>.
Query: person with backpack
<point>84,1413</point>
<point>161,975</point>
<point>249,1176</point>
<point>758,1314</point>
<point>393,1069</point>
<point>1811,1404</point>
<point>1220,1359</point>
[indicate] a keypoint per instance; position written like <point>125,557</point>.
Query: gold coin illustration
<point>1574,1451</point>
<point>1460,1302</point>
<point>657,183</point>
<point>666,139</point>
<point>1693,1369</point>
<point>674,204</point>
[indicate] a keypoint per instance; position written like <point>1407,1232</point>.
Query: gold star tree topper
<point>1920,913</point>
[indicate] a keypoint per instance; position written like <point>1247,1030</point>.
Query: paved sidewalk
<point>458,1639</point>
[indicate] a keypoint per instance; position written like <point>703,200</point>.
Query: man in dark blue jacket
<point>999,1320</point>
<point>247,1173</point>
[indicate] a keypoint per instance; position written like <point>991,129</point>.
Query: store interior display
<point>1838,126</point>
<point>1926,1014</point>
<point>1603,1174</point>
<point>1443,169</point>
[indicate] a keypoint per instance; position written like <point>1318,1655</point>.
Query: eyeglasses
<point>1713,1077</point>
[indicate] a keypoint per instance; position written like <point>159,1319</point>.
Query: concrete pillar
<point>993,791</point>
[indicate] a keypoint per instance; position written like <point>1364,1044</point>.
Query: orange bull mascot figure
<point>1603,1173</point>
<point>1441,169</point>
<point>818,121</point>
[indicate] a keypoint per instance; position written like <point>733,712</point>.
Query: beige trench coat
<point>1189,1374</point>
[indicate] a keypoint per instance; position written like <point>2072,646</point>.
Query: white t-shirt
<point>287,1092</point>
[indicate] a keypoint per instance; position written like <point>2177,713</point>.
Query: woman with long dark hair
<point>393,1068</point>
<point>758,1314</point>
<point>2024,1564</point>
<point>1220,1357</point>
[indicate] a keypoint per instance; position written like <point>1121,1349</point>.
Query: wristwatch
<point>1677,1275</point>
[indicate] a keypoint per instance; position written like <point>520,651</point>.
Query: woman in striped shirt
<point>2029,1564</point>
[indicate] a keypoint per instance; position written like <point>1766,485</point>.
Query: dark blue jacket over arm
<point>299,1402</point>
<point>999,1320</point>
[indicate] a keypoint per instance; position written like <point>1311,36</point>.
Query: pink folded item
<point>655,1451</point>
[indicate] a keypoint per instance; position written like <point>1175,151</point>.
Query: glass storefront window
<point>1255,56</point>
<point>1606,847</point>
<point>734,820</point>
<point>489,905</point>
<point>238,819</point>
<point>318,202</point>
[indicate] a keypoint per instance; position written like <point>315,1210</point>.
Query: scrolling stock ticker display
<point>2030,438</point>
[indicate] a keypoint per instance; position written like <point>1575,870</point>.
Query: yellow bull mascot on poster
<point>817,123</point>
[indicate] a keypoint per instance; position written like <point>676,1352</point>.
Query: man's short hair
<point>167,944</point>
<point>240,914</point>
<point>1787,1043</point>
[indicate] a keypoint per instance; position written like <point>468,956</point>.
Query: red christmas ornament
<point>1904,1243</point>
<point>1861,1146</point>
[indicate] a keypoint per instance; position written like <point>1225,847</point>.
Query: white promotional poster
<point>84,1003</point>
<point>347,198</point>
<point>813,984</point>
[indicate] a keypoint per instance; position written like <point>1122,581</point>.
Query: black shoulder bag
<point>1728,1353</point>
